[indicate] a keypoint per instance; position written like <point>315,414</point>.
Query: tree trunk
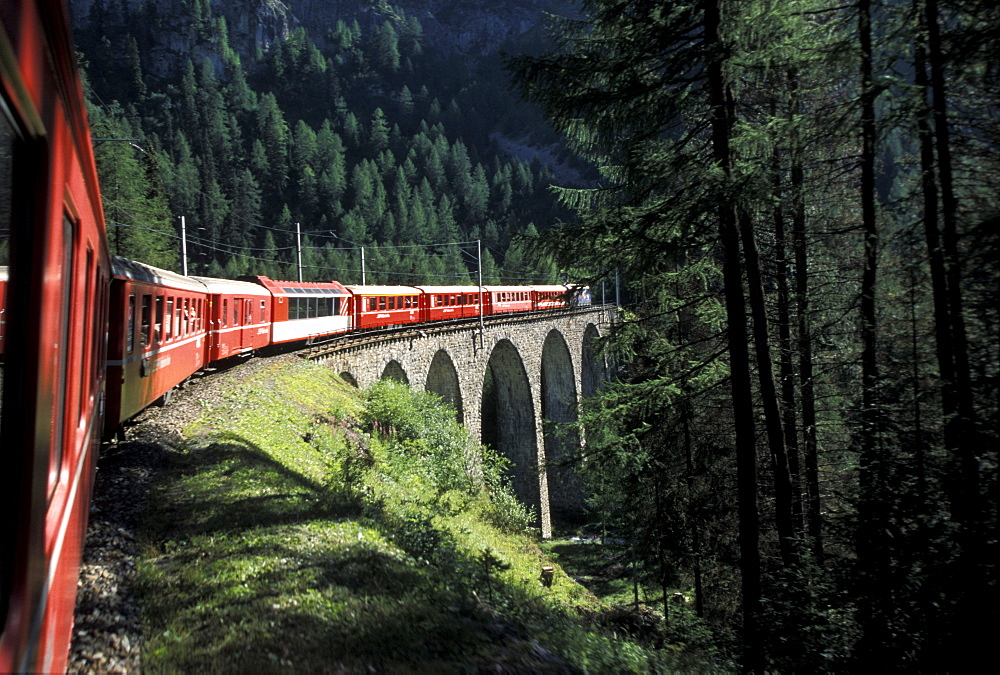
<point>807,389</point>
<point>721,104</point>
<point>769,395</point>
<point>970,631</point>
<point>785,368</point>
<point>876,647</point>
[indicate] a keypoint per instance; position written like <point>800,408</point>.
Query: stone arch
<point>507,417</point>
<point>349,379</point>
<point>559,409</point>
<point>442,379</point>
<point>394,371</point>
<point>592,372</point>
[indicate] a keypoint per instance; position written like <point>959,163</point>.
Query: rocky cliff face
<point>252,26</point>
<point>464,26</point>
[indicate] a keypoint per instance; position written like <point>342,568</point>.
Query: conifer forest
<point>796,202</point>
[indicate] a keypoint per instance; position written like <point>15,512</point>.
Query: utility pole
<point>184,247</point>
<point>363,282</point>
<point>298,248</point>
<point>482,329</point>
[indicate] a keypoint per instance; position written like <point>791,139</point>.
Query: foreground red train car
<point>52,244</point>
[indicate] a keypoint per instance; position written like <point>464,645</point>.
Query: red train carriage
<point>52,242</point>
<point>239,317</point>
<point>157,337</point>
<point>504,299</point>
<point>306,310</point>
<point>550,297</point>
<point>385,306</point>
<point>449,302</point>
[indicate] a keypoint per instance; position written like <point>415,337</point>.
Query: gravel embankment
<point>107,636</point>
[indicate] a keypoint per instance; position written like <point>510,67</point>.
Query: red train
<point>165,327</point>
<point>88,340</point>
<point>57,272</point>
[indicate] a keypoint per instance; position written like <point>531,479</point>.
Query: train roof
<point>231,287</point>
<point>383,290</point>
<point>499,289</point>
<point>295,288</point>
<point>448,289</point>
<point>137,271</point>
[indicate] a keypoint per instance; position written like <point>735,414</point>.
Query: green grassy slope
<point>307,526</point>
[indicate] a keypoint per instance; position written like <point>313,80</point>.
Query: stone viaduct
<point>512,384</point>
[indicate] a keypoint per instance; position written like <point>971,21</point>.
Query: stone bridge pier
<point>514,385</point>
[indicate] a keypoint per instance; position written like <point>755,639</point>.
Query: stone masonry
<point>512,385</point>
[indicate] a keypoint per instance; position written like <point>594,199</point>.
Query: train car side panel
<point>158,336</point>
<point>52,243</point>
<point>508,299</point>
<point>441,303</point>
<point>385,306</point>
<point>305,310</point>
<point>239,317</point>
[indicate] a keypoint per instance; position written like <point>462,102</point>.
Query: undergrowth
<point>308,526</point>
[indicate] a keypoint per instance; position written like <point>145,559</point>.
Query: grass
<point>301,531</point>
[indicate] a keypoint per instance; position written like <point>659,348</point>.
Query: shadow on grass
<point>282,579</point>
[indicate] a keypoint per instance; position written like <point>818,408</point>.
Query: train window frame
<point>130,321</point>
<point>168,320</point>
<point>145,320</point>
<point>90,343</point>
<point>59,426</point>
<point>158,325</point>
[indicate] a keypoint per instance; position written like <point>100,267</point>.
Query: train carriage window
<point>145,320</point>
<point>263,311</point>
<point>381,303</point>
<point>236,311</point>
<point>186,316</point>
<point>158,328</point>
<point>130,335</point>
<point>90,344</point>
<point>225,313</point>
<point>60,410</point>
<point>168,321</point>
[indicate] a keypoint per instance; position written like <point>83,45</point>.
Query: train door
<point>246,323</point>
